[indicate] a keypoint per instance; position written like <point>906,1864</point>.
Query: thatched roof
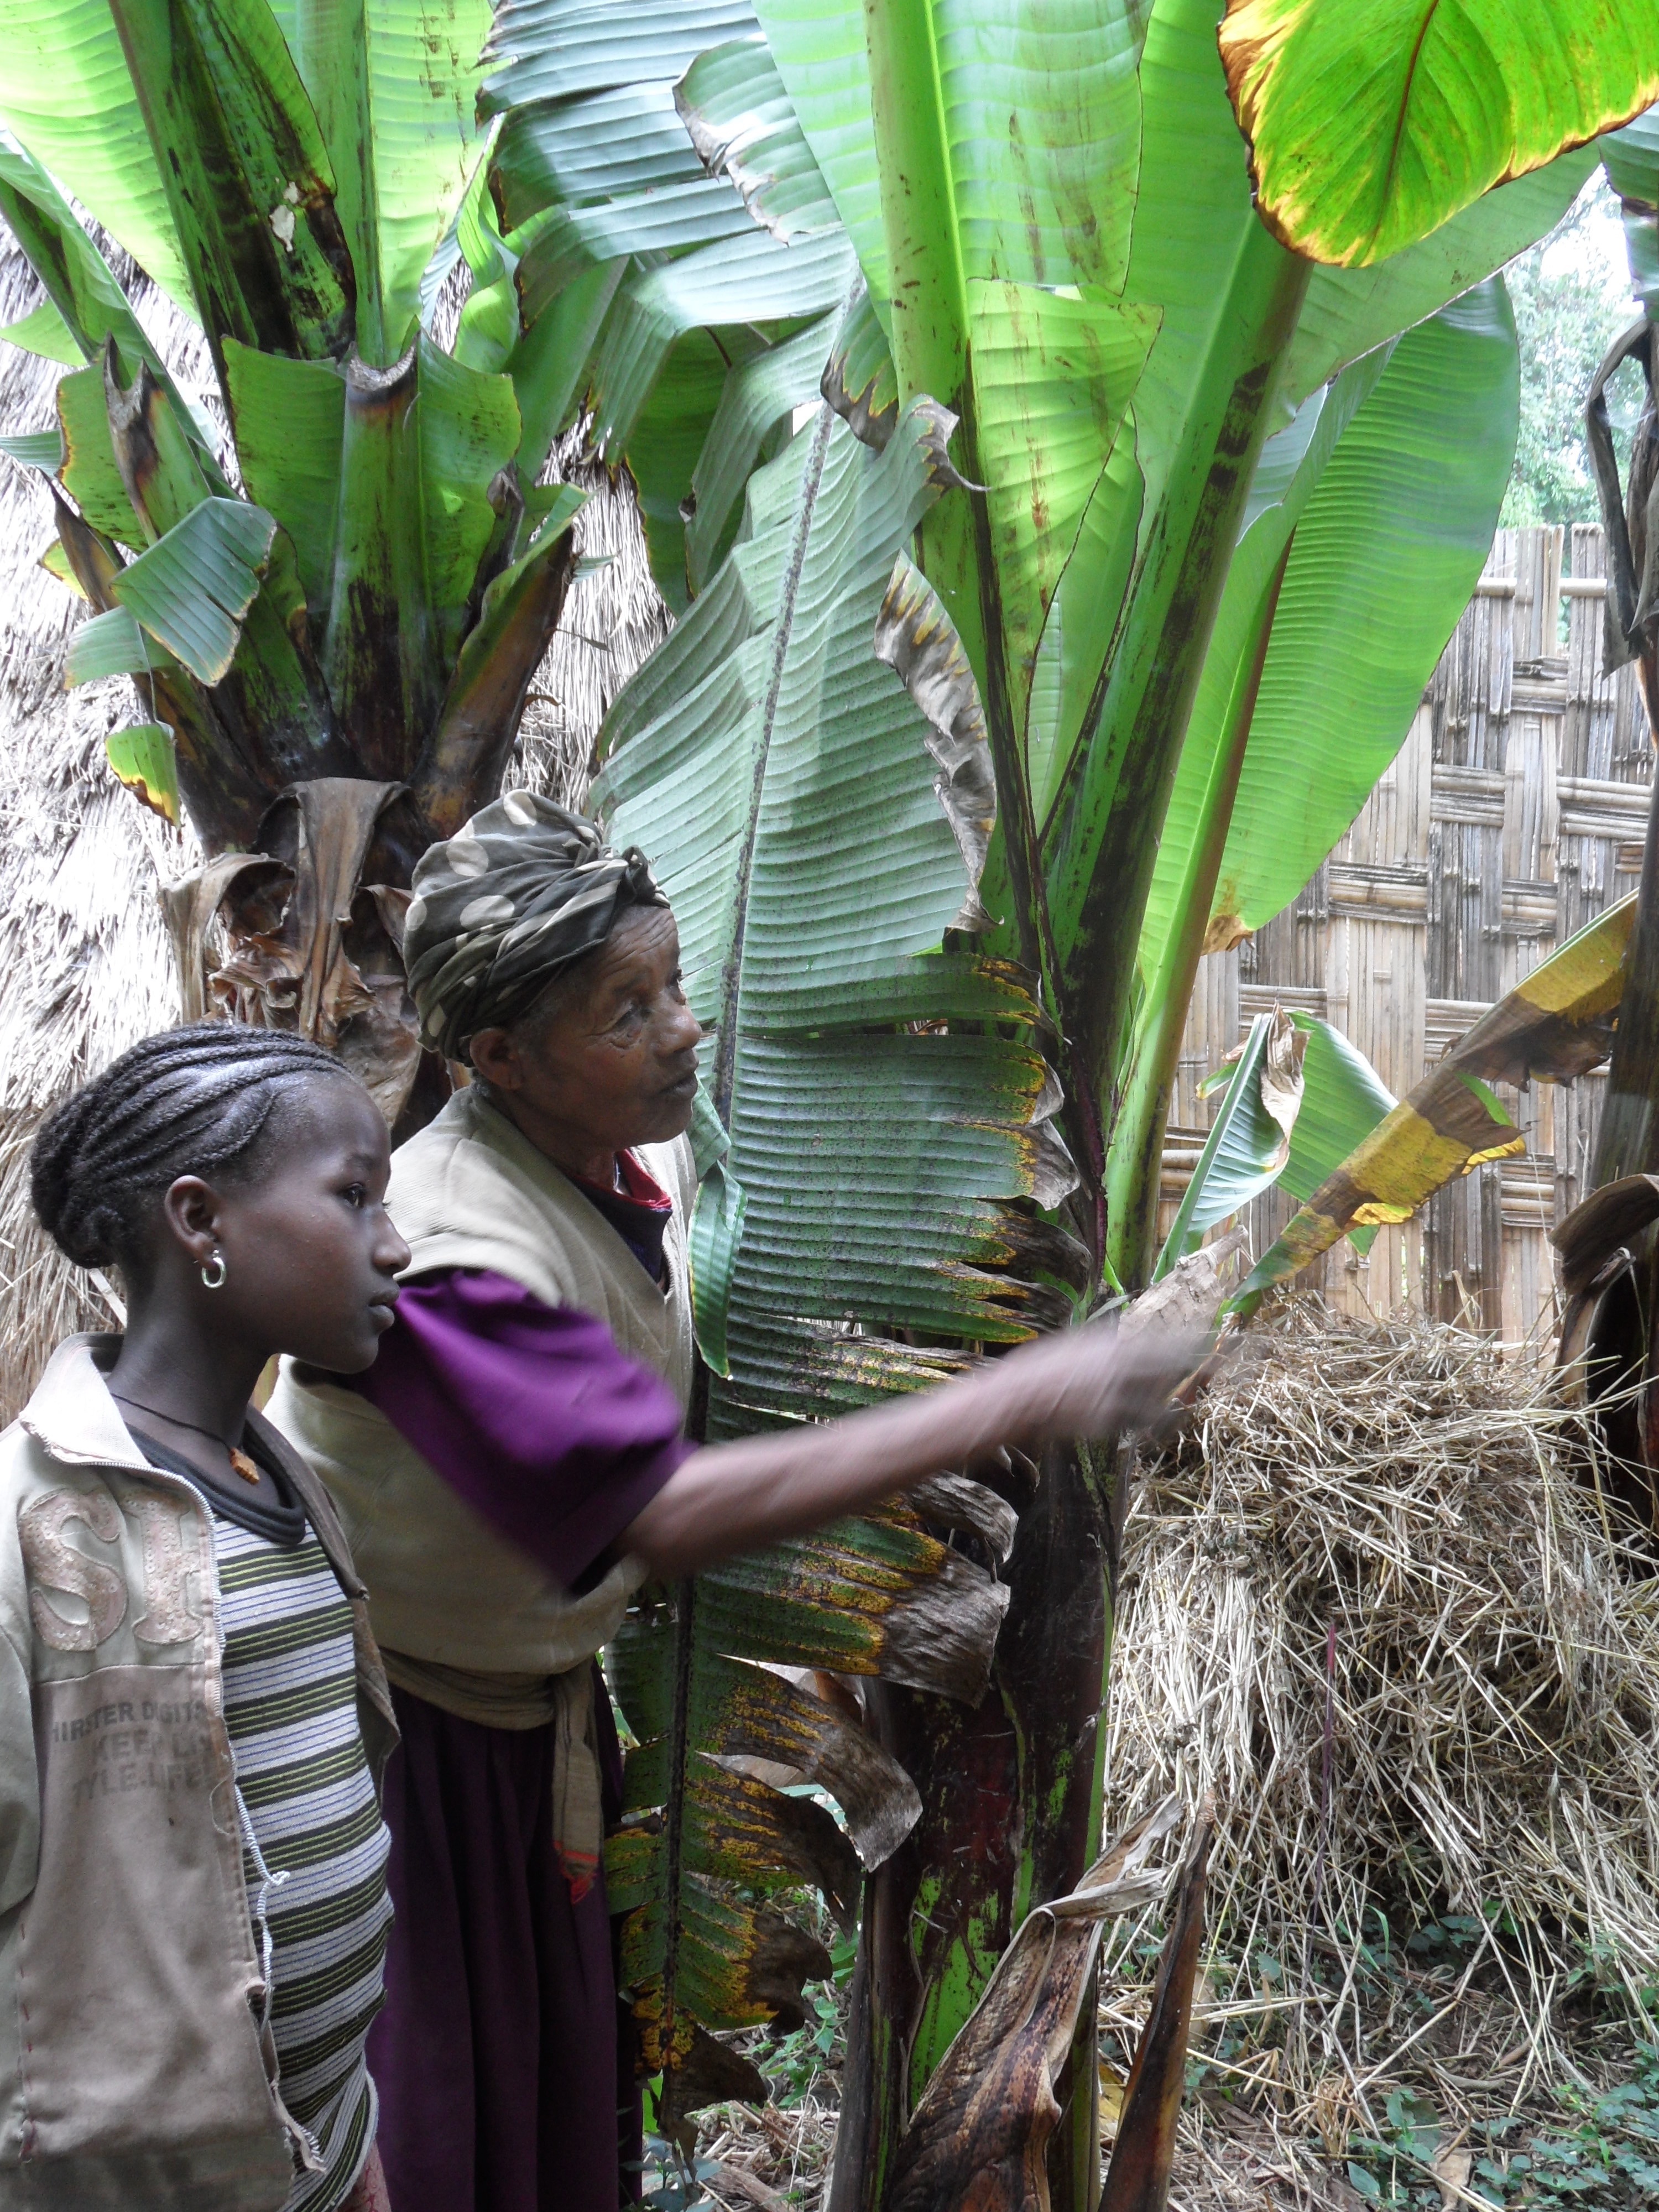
<point>86,960</point>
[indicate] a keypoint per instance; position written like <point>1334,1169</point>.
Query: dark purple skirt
<point>503,2060</point>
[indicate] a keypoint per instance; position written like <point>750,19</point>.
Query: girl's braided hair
<point>193,1101</point>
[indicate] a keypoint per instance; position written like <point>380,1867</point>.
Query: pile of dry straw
<point>1374,1604</point>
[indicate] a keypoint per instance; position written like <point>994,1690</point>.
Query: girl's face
<point>311,1256</point>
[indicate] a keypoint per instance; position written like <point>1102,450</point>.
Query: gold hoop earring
<point>213,1275</point>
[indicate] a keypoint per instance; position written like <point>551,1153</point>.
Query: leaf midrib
<point>732,973</point>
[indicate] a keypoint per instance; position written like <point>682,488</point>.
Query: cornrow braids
<point>190,1101</point>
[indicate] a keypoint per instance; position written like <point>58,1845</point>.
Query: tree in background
<point>1566,316</point>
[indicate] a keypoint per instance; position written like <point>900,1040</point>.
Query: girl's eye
<point>356,1193</point>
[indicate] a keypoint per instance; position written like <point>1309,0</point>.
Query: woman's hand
<point>1083,1382</point>
<point>1088,1382</point>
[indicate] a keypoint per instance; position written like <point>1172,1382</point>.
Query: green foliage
<point>1566,316</point>
<point>1371,122</point>
<point>1601,2152</point>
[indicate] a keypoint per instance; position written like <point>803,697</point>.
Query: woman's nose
<point>683,1031</point>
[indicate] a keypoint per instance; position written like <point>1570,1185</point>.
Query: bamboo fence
<point>1514,812</point>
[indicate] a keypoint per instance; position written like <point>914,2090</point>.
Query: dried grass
<point>1374,1604</point>
<point>1492,1752</point>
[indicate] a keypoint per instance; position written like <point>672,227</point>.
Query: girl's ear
<point>190,1209</point>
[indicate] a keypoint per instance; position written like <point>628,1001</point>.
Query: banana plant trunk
<point>1010,1794</point>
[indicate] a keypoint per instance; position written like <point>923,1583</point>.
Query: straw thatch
<point>1374,1604</point>
<point>83,948</point>
<point>86,960</point>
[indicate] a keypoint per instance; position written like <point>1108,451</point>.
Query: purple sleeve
<point>530,1413</point>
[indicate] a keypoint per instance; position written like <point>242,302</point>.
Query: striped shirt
<point>314,1846</point>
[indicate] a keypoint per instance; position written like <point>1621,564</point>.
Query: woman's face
<point>611,1062</point>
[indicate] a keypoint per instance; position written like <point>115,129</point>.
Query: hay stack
<point>1400,1501</point>
<point>86,960</point>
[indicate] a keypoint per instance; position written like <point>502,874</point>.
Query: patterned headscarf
<point>500,908</point>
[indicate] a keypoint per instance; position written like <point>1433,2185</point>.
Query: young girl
<point>193,1717</point>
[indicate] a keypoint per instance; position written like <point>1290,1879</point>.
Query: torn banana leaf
<point>859,381</point>
<point>1249,1145</point>
<point>714,1815</point>
<point>1138,2179</point>
<point>143,757</point>
<point>916,638</point>
<point>1555,1025</point>
<point>980,2134</point>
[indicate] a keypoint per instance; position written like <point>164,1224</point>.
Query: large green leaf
<point>65,90</point>
<point>394,83</point>
<point>1195,826</point>
<point>757,395</point>
<point>237,146</point>
<point>1049,202</point>
<point>554,49</point>
<point>1227,296</point>
<point>380,649</point>
<point>44,331</point>
<point>821,56</point>
<point>738,759</point>
<point>744,127</point>
<point>1343,1100</point>
<point>469,428</point>
<point>90,304</point>
<point>1412,490</point>
<point>623,252</point>
<point>192,587</point>
<point>664,448</point>
<point>1371,122</point>
<point>744,758</point>
<point>107,644</point>
<point>749,278</point>
<point>143,759</point>
<point>1052,379</point>
<point>1249,1139</point>
<point>1200,803</point>
<point>569,153</point>
<point>288,418</point>
<point>1273,767</point>
<point>1347,311</point>
<point>89,473</point>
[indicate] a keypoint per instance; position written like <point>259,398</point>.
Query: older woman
<point>514,1466</point>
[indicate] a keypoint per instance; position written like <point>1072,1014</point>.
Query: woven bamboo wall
<point>1514,812</point>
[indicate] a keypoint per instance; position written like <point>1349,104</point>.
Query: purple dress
<point>504,2062</point>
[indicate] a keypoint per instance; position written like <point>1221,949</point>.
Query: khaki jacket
<point>466,1618</point>
<point>136,2072</point>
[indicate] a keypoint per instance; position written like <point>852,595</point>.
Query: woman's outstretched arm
<point>732,1498</point>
